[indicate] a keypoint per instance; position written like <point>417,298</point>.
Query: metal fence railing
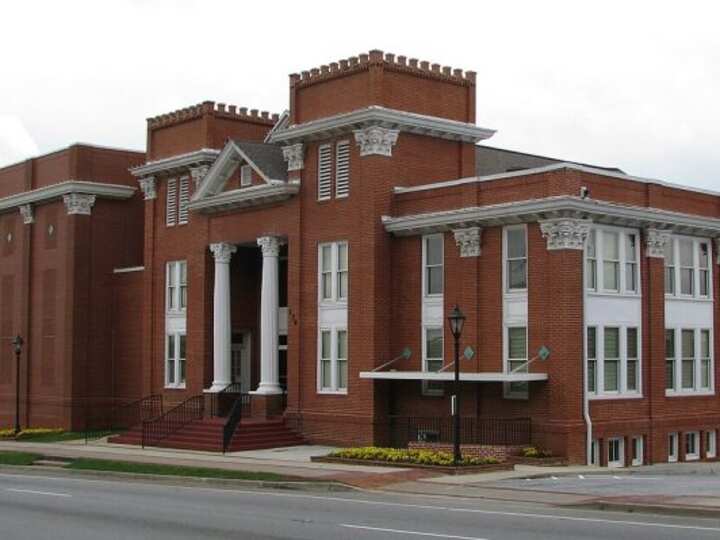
<point>156,429</point>
<point>492,431</point>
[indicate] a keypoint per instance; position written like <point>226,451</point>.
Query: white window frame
<point>673,440</point>
<point>622,392</point>
<point>425,266</point>
<point>333,388</point>
<point>711,443</point>
<point>335,273</point>
<point>175,288</point>
<point>678,390</point>
<point>620,462</point>
<point>507,260</point>
<point>623,233</point>
<point>638,448</point>
<point>430,388</point>
<point>245,175</point>
<point>695,437</point>
<point>509,392</point>
<point>177,360</point>
<point>676,268</point>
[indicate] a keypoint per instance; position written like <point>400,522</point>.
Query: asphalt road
<point>59,508</point>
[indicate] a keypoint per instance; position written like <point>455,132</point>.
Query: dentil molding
<point>80,204</point>
<point>376,140</point>
<point>222,252</point>
<point>468,241</point>
<point>565,233</point>
<point>295,156</point>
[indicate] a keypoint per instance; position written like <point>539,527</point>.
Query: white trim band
<point>69,187</point>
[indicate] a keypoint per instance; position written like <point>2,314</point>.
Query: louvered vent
<point>171,210</point>
<point>324,172</point>
<point>342,169</point>
<point>184,200</point>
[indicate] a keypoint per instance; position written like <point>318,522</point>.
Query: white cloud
<point>16,143</point>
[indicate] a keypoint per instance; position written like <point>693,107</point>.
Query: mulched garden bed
<point>463,469</point>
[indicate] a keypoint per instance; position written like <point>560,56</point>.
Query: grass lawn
<point>87,464</point>
<point>17,458</point>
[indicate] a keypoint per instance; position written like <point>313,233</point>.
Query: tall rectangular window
<point>705,362</point>
<point>611,363</point>
<point>245,176</point>
<point>591,258</point>
<point>632,370</point>
<point>631,267</point>
<point>171,206</point>
<point>324,172</point>
<point>342,271</point>
<point>669,268</point>
<point>669,359</point>
<point>692,446</point>
<point>333,272</point>
<point>342,169</point>
<point>516,258</point>
<point>517,360</point>
<point>433,264</point>
<point>342,360</point>
<point>711,443</point>
<point>176,292</point>
<point>611,261</point>
<point>175,360</point>
<point>184,200</point>
<point>333,360</point>
<point>688,359</point>
<point>326,274</point>
<point>704,268</point>
<point>672,447</point>
<point>325,360</point>
<point>687,267</point>
<point>433,359</point>
<point>592,359</point>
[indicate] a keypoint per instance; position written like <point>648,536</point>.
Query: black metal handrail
<point>233,419</point>
<point>122,416</point>
<point>156,429</point>
<point>494,431</point>
<point>221,402</point>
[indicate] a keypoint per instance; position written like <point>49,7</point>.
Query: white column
<point>269,299</point>
<point>222,330</point>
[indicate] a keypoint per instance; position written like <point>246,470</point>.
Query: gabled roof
<point>267,157</point>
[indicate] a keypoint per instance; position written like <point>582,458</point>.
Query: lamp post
<point>456,320</point>
<point>17,343</point>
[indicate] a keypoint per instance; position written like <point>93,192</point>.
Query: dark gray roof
<point>489,160</point>
<point>268,158</point>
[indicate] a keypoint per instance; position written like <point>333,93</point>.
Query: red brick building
<point>314,257</point>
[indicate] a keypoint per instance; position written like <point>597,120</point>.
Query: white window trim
<point>506,288</point>
<point>621,453</point>
<point>425,265</point>
<point>622,392</point>
<point>334,273</point>
<point>599,289</point>
<point>711,443</point>
<point>640,459</point>
<point>177,385</point>
<point>245,175</point>
<point>673,439</point>
<point>425,389</point>
<point>508,393</point>
<point>174,267</point>
<point>692,456</point>
<point>679,391</point>
<point>676,294</point>
<point>333,388</point>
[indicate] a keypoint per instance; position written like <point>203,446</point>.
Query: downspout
<point>586,397</point>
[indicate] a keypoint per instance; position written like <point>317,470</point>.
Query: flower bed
<point>29,433</point>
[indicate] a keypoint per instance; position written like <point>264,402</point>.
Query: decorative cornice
<point>655,242</point>
<point>388,118</point>
<point>246,197</point>
<point>148,186</point>
<point>295,156</point>
<point>172,164</point>
<point>28,216</point>
<point>563,206</point>
<point>222,252</point>
<point>469,241</point>
<point>59,190</point>
<point>198,174</point>
<point>376,140</point>
<point>565,233</point>
<point>270,245</point>
<point>79,204</point>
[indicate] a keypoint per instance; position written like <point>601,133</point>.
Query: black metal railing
<point>103,420</point>
<point>158,428</point>
<point>237,411</point>
<point>495,431</point>
<point>221,402</point>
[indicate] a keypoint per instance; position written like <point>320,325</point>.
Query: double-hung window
<point>591,261</point>
<point>688,267</point>
<point>176,293</point>
<point>689,360</point>
<point>669,268</point>
<point>612,261</point>
<point>670,359</point>
<point>516,258</point>
<point>711,443</point>
<point>175,360</point>
<point>592,359</point>
<point>516,362</point>
<point>705,360</point>
<point>692,446</point>
<point>333,360</point>
<point>672,443</point>
<point>433,359</point>
<point>613,361</point>
<point>632,372</point>
<point>631,265</point>
<point>333,272</point>
<point>433,264</point>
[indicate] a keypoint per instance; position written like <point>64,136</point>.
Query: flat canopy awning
<point>450,376</point>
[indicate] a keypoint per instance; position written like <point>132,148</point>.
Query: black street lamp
<point>456,320</point>
<point>17,343</point>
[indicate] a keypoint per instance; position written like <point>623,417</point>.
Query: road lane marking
<point>415,533</point>
<point>33,492</point>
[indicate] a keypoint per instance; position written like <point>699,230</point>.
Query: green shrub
<point>533,452</point>
<point>418,457</point>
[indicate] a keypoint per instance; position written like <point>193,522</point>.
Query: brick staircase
<point>206,435</point>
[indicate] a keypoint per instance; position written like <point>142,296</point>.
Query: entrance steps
<point>206,435</point>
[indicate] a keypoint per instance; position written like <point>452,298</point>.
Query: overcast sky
<point>630,84</point>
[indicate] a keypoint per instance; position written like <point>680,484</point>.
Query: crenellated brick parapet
<point>210,108</point>
<point>388,61</point>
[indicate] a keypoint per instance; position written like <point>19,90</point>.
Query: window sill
<point>689,393</point>
<point>692,457</point>
<point>175,387</point>
<point>613,294</point>
<point>605,397</point>
<point>688,298</point>
<point>332,392</point>
<point>333,303</point>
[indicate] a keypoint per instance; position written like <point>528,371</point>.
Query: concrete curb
<point>315,486</point>
<point>648,508</point>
